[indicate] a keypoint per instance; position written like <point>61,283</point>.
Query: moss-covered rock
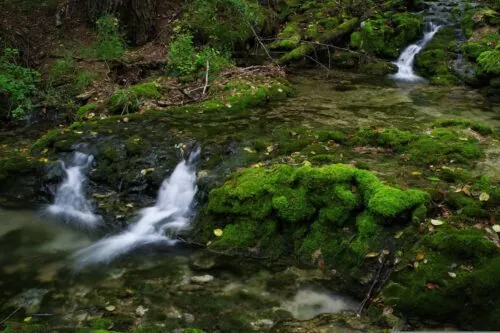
<point>434,62</point>
<point>450,276</point>
<point>387,35</point>
<point>128,100</point>
<point>337,210</point>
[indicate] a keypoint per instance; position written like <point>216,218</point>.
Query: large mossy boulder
<point>337,212</point>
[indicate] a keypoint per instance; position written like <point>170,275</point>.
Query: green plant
<point>490,61</point>
<point>110,38</point>
<point>61,71</point>
<point>18,86</point>
<point>181,55</point>
<point>225,22</point>
<point>184,59</point>
<point>83,79</point>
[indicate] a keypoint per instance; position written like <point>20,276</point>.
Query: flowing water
<point>133,283</point>
<point>71,204</point>
<point>157,224</point>
<point>436,15</point>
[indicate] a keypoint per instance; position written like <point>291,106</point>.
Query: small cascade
<point>70,204</point>
<point>437,15</point>
<point>156,224</point>
<point>407,58</point>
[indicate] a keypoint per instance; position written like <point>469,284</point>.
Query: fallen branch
<point>383,260</point>
<point>206,79</point>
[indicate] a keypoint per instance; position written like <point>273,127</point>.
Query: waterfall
<point>70,203</point>
<point>407,58</point>
<point>156,224</point>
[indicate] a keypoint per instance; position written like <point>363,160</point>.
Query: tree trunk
<point>138,16</point>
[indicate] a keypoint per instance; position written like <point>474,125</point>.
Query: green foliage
<point>129,100</point>
<point>490,61</point>
<point>183,58</point>
<point>61,71</point>
<point>224,23</point>
<point>18,86</point>
<point>477,126</point>
<point>84,111</point>
<point>83,79</point>
<point>110,38</point>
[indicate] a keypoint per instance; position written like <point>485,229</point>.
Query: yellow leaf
<point>45,151</point>
<point>437,222</point>
<point>44,160</point>
<point>27,319</point>
<point>371,255</point>
<point>420,256</point>
<point>218,232</point>
<point>484,196</point>
<point>249,150</point>
<point>398,235</point>
<point>416,173</point>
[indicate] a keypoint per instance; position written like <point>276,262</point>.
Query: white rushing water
<point>407,58</point>
<point>70,204</point>
<point>156,224</point>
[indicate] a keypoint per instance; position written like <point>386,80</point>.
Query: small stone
<point>202,278</point>
<point>188,318</point>
<point>141,311</point>
<point>173,313</point>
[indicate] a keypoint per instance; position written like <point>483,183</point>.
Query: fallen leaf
<point>218,232</point>
<point>249,150</point>
<point>496,228</point>
<point>129,205</point>
<point>434,179</point>
<point>110,308</point>
<point>420,256</point>
<point>27,319</point>
<point>371,255</point>
<point>321,264</point>
<point>484,196</point>
<point>437,222</point>
<point>416,173</point>
<point>388,311</point>
<point>466,190</point>
<point>432,285</point>
<point>452,275</point>
<point>398,235</point>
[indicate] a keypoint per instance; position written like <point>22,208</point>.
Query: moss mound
<point>456,282</point>
<point>337,210</point>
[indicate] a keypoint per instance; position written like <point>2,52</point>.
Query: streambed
<point>169,288</point>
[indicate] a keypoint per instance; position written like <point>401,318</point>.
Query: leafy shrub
<point>490,61</point>
<point>83,79</point>
<point>181,54</point>
<point>110,38</point>
<point>184,59</point>
<point>225,22</point>
<point>18,86</point>
<point>61,71</point>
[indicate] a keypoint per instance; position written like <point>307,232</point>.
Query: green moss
<point>387,36</point>
<point>477,126</point>
<point>443,145</point>
<point>379,68</point>
<point>457,281</point>
<point>434,61</point>
<point>309,206</point>
<point>135,145</point>
<point>85,110</point>
<point>100,323</point>
<point>388,137</point>
<point>129,100</point>
<point>16,163</point>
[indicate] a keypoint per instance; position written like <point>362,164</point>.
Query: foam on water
<point>70,204</point>
<point>156,224</point>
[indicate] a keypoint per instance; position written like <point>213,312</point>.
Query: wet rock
<point>30,300</point>
<point>141,311</point>
<point>263,324</point>
<point>188,318</point>
<point>202,279</point>
<point>173,313</point>
<point>203,261</point>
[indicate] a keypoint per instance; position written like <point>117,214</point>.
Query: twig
<point>260,42</point>
<point>375,281</point>
<point>13,313</point>
<point>317,62</point>
<point>206,79</point>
